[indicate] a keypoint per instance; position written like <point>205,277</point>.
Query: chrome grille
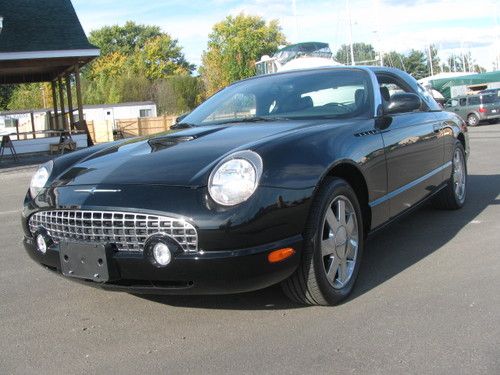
<point>127,230</point>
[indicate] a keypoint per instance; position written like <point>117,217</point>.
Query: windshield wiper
<point>182,125</point>
<point>252,119</point>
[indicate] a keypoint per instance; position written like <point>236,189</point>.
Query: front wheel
<point>452,197</point>
<point>333,246</point>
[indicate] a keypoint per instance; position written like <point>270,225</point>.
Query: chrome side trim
<point>408,186</point>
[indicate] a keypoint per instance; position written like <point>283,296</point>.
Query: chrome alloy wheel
<point>459,175</point>
<point>339,241</point>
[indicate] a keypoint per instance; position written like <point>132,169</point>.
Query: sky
<point>454,26</point>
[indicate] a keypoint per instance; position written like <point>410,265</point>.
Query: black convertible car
<point>277,178</point>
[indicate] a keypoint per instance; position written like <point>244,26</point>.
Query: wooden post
<point>70,100</point>
<point>78,93</point>
<point>54,100</point>
<point>33,124</point>
<point>139,126</point>
<point>61,100</point>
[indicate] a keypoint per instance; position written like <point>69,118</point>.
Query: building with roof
<point>43,41</point>
<point>21,120</point>
<point>453,86</point>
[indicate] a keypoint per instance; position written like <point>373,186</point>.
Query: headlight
<point>235,178</point>
<point>40,178</point>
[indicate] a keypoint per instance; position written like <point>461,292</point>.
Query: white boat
<point>297,56</point>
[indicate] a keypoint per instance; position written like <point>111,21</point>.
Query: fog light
<point>162,254</point>
<point>41,245</point>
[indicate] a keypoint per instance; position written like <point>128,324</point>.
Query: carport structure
<point>43,41</point>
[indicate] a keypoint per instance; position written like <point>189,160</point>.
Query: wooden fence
<point>106,131</point>
<point>144,126</point>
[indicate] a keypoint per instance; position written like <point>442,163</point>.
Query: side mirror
<point>403,102</point>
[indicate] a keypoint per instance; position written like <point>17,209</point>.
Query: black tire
<point>472,120</point>
<point>309,284</point>
<point>448,199</point>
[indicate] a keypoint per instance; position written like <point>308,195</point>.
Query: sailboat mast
<point>348,8</point>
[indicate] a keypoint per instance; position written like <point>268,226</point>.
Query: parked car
<point>279,178</point>
<point>490,91</point>
<point>476,108</point>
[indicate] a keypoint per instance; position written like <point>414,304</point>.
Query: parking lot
<point>427,301</point>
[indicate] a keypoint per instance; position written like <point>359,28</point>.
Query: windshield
<point>339,93</point>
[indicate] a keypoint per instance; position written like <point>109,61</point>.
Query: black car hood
<point>182,158</point>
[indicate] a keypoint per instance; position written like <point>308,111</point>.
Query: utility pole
<point>377,32</point>
<point>430,59</point>
<point>294,9</point>
<point>348,8</point>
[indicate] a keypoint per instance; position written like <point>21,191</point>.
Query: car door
<point>463,108</point>
<point>414,150</point>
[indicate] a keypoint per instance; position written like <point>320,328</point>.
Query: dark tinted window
<point>474,100</point>
<point>490,98</point>
<point>463,101</point>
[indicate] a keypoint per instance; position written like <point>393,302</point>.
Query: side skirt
<point>407,211</point>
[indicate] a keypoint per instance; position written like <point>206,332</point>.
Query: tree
<point>363,54</point>
<point>234,46</point>
<point>416,64</point>
<point>395,60</point>
<point>436,61</point>
<point>30,96</point>
<point>124,39</point>
<point>463,63</point>
<point>162,57</point>
<point>132,58</point>
<point>113,65</point>
<point>5,94</point>
<point>178,94</point>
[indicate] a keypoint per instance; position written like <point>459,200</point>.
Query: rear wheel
<point>453,196</point>
<point>333,246</point>
<point>472,120</point>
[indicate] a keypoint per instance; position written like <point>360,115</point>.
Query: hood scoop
<point>158,144</point>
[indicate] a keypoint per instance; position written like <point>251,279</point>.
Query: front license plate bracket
<point>85,260</point>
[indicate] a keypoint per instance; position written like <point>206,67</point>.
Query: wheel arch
<point>348,170</point>
<point>461,138</point>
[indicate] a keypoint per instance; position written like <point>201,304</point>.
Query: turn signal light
<point>279,255</point>
<point>482,110</point>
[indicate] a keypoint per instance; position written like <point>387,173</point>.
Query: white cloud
<point>450,24</point>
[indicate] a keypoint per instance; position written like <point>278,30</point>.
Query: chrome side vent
<point>369,132</point>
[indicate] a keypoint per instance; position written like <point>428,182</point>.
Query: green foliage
<point>124,39</point>
<point>178,94</point>
<point>234,46</point>
<point>161,57</point>
<point>364,54</point>
<point>462,63</point>
<point>27,96</point>
<point>134,61</point>
<point>395,60</point>
<point>416,64</point>
<point>5,94</point>
<point>436,61</point>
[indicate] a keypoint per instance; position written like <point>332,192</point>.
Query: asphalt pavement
<point>427,301</point>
